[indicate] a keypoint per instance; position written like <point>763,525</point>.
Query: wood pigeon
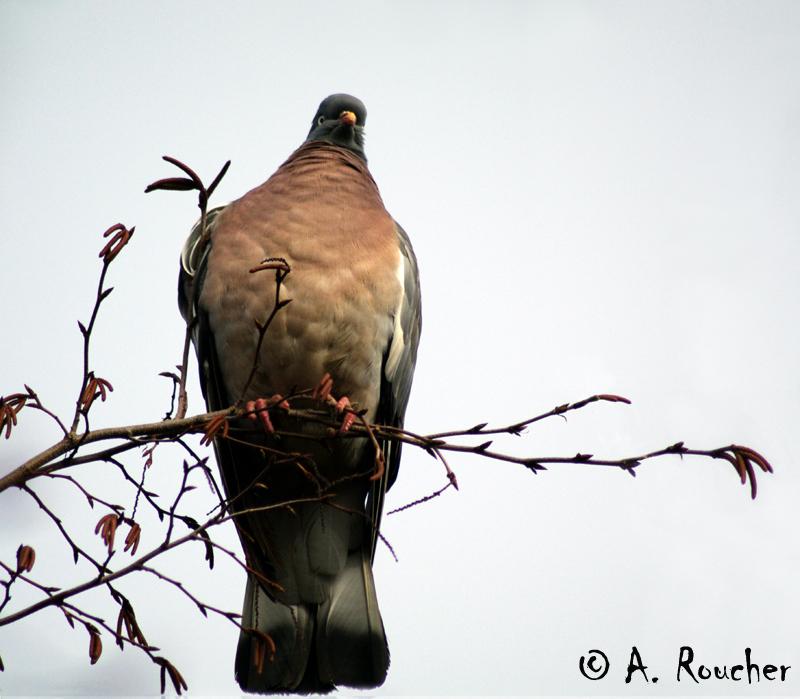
<point>355,316</point>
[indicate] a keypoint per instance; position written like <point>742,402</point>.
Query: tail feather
<point>339,642</point>
<point>324,621</point>
<point>351,642</point>
<point>291,628</point>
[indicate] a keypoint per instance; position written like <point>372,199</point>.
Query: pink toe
<point>266,422</point>
<point>347,423</point>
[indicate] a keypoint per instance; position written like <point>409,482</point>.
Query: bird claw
<point>322,393</point>
<point>347,423</point>
<point>259,410</point>
<point>343,405</point>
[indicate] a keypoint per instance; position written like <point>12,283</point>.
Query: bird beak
<point>347,118</point>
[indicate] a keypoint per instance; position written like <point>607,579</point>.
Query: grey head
<point>340,120</point>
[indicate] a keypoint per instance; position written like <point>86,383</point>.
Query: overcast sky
<point>603,197</point>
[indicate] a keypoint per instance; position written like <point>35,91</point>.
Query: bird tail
<point>351,642</point>
<point>338,642</point>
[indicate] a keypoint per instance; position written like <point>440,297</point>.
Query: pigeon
<point>307,504</point>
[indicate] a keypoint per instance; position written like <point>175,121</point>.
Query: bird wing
<point>399,361</point>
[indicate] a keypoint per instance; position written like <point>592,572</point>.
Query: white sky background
<point>603,197</point>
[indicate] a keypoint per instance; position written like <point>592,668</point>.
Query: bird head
<point>340,120</point>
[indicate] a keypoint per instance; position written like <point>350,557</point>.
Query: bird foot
<point>342,405</point>
<point>322,393</point>
<point>259,410</point>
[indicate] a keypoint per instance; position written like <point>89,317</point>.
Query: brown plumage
<point>354,314</point>
<point>343,285</point>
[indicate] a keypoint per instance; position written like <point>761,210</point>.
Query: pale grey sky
<point>603,197</point>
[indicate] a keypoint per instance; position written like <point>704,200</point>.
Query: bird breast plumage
<point>344,283</point>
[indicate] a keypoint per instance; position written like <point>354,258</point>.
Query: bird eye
<point>321,120</point>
